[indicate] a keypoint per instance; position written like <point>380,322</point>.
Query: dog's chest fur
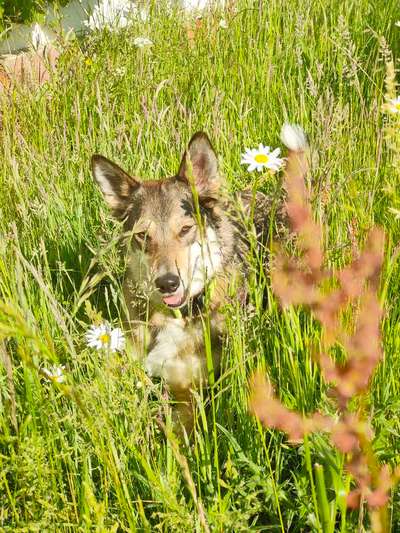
<point>177,351</point>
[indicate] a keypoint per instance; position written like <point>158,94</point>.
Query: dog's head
<point>174,222</point>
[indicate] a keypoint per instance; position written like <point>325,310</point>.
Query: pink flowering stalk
<point>303,280</point>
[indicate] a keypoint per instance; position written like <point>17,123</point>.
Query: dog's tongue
<point>175,299</point>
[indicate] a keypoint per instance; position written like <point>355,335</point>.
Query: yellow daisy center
<point>104,338</point>
<point>261,158</point>
<point>397,106</point>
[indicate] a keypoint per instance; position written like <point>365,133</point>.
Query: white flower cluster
<point>190,5</point>
<point>142,42</point>
<point>102,337</point>
<point>112,14</point>
<point>201,5</point>
<point>264,157</point>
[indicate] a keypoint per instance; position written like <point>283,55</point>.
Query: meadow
<point>97,452</point>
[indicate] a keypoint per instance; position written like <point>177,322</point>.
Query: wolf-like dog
<point>185,245</point>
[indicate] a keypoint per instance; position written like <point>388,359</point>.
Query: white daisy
<point>104,337</point>
<point>142,42</point>
<point>262,157</point>
<point>54,373</point>
<point>393,105</point>
<point>223,24</point>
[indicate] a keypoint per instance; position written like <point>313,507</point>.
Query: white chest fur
<point>178,354</point>
<point>205,259</point>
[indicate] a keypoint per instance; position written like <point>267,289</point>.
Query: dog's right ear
<point>115,184</point>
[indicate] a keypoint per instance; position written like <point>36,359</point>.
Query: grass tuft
<point>89,453</point>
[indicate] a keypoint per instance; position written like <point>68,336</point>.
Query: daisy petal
<point>276,152</point>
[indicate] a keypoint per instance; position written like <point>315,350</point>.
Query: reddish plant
<point>354,289</point>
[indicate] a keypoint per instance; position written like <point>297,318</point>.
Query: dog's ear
<point>115,184</point>
<point>202,160</point>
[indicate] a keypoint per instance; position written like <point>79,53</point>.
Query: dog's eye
<point>185,230</point>
<point>142,236</point>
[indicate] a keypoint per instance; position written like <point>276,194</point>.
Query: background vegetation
<point>24,10</point>
<point>89,454</point>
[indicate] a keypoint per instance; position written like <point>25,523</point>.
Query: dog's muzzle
<point>169,286</point>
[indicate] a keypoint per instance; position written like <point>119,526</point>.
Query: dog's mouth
<point>179,299</point>
<point>184,295</point>
<point>174,300</point>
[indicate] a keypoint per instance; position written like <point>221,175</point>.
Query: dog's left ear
<point>200,156</point>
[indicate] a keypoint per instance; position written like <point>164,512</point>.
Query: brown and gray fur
<point>181,233</point>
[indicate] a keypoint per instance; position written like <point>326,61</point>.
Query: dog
<point>186,242</point>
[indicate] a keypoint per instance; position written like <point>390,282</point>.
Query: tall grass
<point>91,454</point>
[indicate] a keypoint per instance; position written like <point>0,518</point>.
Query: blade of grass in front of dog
<point>206,324</point>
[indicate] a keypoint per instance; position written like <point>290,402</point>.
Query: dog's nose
<point>167,283</point>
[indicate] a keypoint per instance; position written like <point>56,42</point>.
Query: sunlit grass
<point>89,453</point>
